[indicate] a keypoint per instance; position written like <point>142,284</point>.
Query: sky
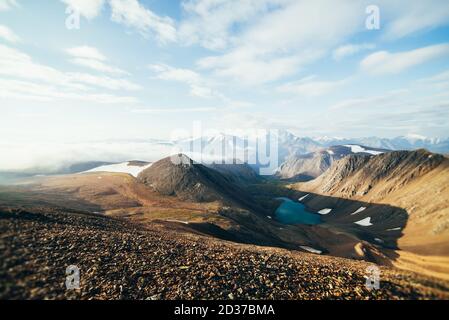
<point>73,71</point>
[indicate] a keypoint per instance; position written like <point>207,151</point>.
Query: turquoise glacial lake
<point>292,212</point>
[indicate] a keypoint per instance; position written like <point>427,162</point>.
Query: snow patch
<point>325,211</point>
<point>178,221</point>
<point>302,198</point>
<point>359,149</point>
<point>312,250</point>
<point>358,210</point>
<point>364,222</point>
<point>394,229</point>
<point>330,152</point>
<point>379,240</point>
<point>123,167</point>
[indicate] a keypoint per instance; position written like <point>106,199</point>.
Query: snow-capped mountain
<point>407,142</point>
<point>303,167</point>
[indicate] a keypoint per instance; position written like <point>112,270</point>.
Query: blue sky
<point>143,69</point>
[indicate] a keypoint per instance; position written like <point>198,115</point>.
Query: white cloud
<point>53,83</point>
<point>166,72</point>
<point>209,23</point>
<point>438,81</point>
<point>8,34</point>
<point>132,14</point>
<point>171,110</point>
<point>310,87</point>
<point>194,80</point>
<point>250,69</point>
<point>43,92</point>
<point>17,64</point>
<point>87,8</point>
<point>103,81</point>
<point>86,52</point>
<point>442,76</point>
<point>414,16</point>
<point>282,40</point>
<point>351,49</point>
<point>384,62</point>
<point>98,66</point>
<point>52,156</point>
<point>92,58</point>
<point>386,100</point>
<point>8,4</point>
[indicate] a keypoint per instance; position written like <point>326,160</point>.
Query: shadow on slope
<point>378,224</point>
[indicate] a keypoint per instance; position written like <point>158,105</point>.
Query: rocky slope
<point>129,261</point>
<point>415,181</point>
<point>304,167</point>
<point>179,176</point>
<point>239,172</point>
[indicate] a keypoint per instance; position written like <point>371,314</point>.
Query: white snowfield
<point>312,250</point>
<point>178,221</point>
<point>364,222</point>
<point>359,149</point>
<point>379,240</point>
<point>358,210</point>
<point>325,211</point>
<point>394,229</point>
<point>120,168</point>
<point>302,198</point>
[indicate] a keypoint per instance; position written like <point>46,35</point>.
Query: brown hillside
<point>416,181</point>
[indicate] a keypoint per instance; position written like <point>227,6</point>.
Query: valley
<point>231,203</point>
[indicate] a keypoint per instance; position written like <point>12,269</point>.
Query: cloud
<point>8,34</point>
<point>310,87</point>
<point>45,157</point>
<point>166,72</point>
<point>92,58</point>
<point>86,52</point>
<point>132,14</point>
<point>438,81</point>
<point>8,4</point>
<point>388,99</point>
<point>171,110</point>
<point>15,63</point>
<point>98,66</point>
<point>384,62</point>
<point>414,16</point>
<point>87,8</point>
<point>219,17</point>
<point>194,80</point>
<point>102,81</point>
<point>247,68</point>
<point>42,92</point>
<point>285,38</point>
<point>54,83</point>
<point>351,49</point>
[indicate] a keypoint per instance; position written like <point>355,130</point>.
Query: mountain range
<point>388,208</point>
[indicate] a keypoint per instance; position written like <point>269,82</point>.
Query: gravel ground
<point>121,260</point>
